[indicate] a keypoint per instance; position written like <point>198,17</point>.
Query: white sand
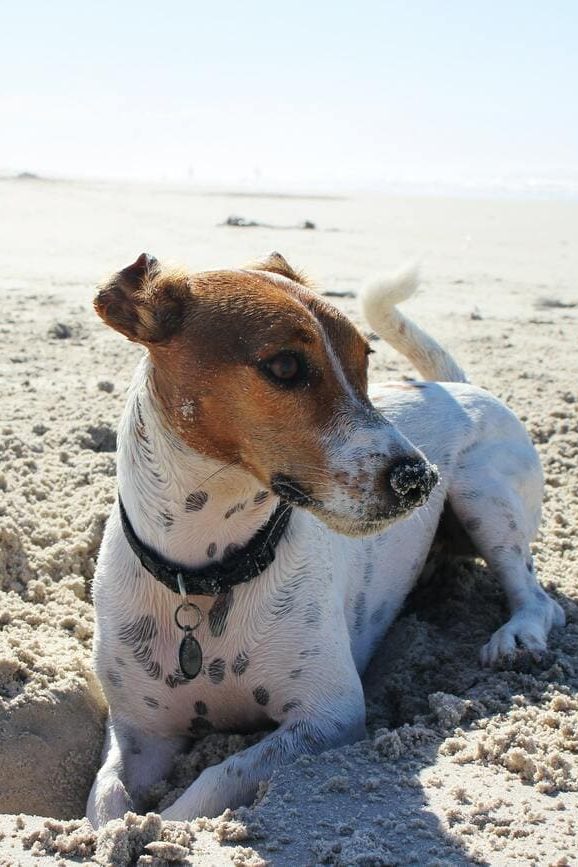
<point>462,765</point>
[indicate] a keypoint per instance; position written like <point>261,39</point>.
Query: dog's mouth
<point>406,486</point>
<point>294,492</point>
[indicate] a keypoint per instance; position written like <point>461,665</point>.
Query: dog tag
<point>190,656</point>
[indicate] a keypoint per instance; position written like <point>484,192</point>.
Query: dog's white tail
<point>378,301</point>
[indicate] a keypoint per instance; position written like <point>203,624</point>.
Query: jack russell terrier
<point>273,515</point>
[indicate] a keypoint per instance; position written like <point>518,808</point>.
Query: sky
<point>298,95</point>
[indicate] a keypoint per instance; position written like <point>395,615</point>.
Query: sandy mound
<point>461,765</point>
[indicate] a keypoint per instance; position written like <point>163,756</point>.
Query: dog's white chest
<point>264,644</point>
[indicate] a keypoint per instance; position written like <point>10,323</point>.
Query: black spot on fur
<point>114,677</point>
<point>517,550</point>
<point>154,670</point>
<point>295,673</point>
<point>166,520</point>
<point>238,507</point>
<point>368,573</point>
<point>529,567</point>
<point>261,695</point>
<point>138,631</point>
<point>260,496</point>
<point>139,635</point>
<point>283,603</point>
<point>313,651</point>
<point>379,613</point>
<point>196,501</point>
<point>359,611</point>
<point>201,708</point>
<point>512,524</point>
<point>216,670</point>
<point>240,664</point>
<point>150,701</point>
<point>312,614</point>
<point>219,613</point>
<point>308,735</point>
<point>272,750</point>
<point>177,678</point>
<point>140,427</point>
<point>230,550</point>
<point>283,599</point>
<point>212,550</point>
<point>200,728</point>
<point>119,660</point>
<point>473,524</point>
<point>293,704</point>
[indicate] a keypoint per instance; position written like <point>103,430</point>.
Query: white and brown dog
<point>272,519</point>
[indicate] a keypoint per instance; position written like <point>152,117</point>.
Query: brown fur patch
<point>208,335</point>
<point>275,263</point>
<point>143,302</point>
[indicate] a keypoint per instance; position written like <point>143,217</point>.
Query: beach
<point>461,765</point>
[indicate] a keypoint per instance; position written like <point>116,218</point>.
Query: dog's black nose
<point>412,481</point>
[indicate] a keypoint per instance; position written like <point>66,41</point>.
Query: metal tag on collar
<point>190,653</point>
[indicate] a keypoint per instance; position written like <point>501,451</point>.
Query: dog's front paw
<point>507,641</point>
<point>189,806</point>
<point>108,800</point>
<point>527,630</point>
<point>210,794</point>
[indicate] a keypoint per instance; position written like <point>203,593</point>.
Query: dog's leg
<point>132,762</point>
<point>234,782</point>
<point>499,509</point>
<point>534,613</point>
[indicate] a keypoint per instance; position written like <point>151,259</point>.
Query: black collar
<point>238,568</point>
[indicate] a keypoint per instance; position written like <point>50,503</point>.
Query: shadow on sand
<point>366,804</point>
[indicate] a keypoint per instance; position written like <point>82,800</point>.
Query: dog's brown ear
<point>276,263</point>
<point>143,304</point>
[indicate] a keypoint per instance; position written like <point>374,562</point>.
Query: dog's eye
<point>285,368</point>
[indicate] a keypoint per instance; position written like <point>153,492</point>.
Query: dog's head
<point>253,367</point>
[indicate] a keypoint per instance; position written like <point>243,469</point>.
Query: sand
<point>461,765</point>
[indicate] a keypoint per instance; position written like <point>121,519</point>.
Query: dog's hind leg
<point>132,763</point>
<point>496,494</point>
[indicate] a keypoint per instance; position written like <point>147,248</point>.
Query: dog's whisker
<point>214,474</point>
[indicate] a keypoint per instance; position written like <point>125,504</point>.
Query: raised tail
<point>379,301</point>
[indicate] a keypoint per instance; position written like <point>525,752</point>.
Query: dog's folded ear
<point>277,264</point>
<point>142,303</point>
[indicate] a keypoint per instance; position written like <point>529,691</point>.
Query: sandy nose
<point>412,481</point>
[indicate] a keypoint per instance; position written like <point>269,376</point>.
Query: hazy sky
<point>298,94</point>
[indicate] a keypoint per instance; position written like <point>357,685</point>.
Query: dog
<point>273,516</point>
